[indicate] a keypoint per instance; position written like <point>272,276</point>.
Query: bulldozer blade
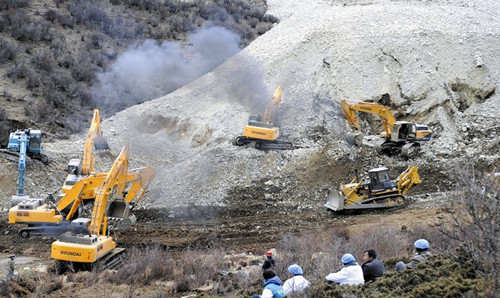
<point>335,200</point>
<point>101,143</point>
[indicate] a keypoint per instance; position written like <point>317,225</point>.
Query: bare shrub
<point>33,80</point>
<point>144,266</point>
<point>58,46</point>
<point>83,72</point>
<point>4,288</point>
<point>67,61</point>
<point>37,109</point>
<point>13,4</point>
<point>50,284</point>
<point>474,217</point>
<point>43,60</point>
<point>66,21</point>
<point>51,15</point>
<point>52,95</point>
<point>61,81</point>
<point>7,51</point>
<point>89,13</point>
<point>81,92</point>
<point>17,71</point>
<point>4,130</point>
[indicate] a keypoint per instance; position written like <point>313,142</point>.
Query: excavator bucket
<point>335,200</point>
<point>119,215</point>
<point>101,143</point>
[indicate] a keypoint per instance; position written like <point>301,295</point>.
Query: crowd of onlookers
<point>350,273</point>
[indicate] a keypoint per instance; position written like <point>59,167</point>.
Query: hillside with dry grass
<point>52,52</point>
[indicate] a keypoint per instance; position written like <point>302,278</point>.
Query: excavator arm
<point>94,139</point>
<point>349,111</point>
<point>140,179</point>
<point>116,177</point>
<point>271,112</point>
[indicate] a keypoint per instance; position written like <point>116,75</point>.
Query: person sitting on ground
<point>272,286</point>
<point>421,254</point>
<point>372,267</point>
<point>269,262</point>
<point>296,283</point>
<point>350,273</point>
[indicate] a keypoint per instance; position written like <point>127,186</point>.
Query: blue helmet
<point>421,244</point>
<point>295,269</point>
<point>348,259</point>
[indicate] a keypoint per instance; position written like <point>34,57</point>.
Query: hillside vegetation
<point>51,51</point>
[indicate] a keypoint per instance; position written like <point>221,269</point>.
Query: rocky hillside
<point>443,74</point>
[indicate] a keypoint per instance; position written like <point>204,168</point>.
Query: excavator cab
<point>380,180</point>
<point>403,131</point>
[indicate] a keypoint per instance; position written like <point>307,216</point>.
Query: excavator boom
<point>94,139</point>
<point>272,108</point>
<point>400,137</point>
<point>97,246</point>
<point>349,112</point>
<point>116,177</point>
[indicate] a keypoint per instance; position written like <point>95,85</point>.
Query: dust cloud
<point>151,70</point>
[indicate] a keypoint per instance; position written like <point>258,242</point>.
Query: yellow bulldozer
<point>261,132</point>
<point>376,193</point>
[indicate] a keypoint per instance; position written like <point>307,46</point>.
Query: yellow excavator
<point>49,218</point>
<point>261,132</point>
<point>81,167</point>
<point>376,193</point>
<point>97,247</point>
<point>399,137</point>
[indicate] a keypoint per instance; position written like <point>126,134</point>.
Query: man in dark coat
<point>372,267</point>
<point>269,262</point>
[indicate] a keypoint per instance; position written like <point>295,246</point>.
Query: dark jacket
<point>373,269</point>
<point>268,263</point>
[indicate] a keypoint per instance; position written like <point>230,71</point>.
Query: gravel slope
<point>436,61</point>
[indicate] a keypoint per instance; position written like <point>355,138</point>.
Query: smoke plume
<point>151,70</point>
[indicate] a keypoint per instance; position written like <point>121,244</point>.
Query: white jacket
<point>351,274</point>
<point>295,284</point>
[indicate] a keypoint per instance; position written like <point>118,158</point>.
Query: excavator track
<point>12,156</point>
<point>262,144</point>
<point>113,261</point>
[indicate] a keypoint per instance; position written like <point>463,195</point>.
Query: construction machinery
<point>399,137</point>
<point>23,143</point>
<point>261,132</point>
<point>97,247</point>
<point>81,167</point>
<point>378,192</point>
<point>49,218</point>
<point>33,147</point>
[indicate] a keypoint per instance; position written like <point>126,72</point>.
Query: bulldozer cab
<point>403,131</point>
<point>380,180</point>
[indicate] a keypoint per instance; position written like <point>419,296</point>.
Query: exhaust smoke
<point>151,69</point>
